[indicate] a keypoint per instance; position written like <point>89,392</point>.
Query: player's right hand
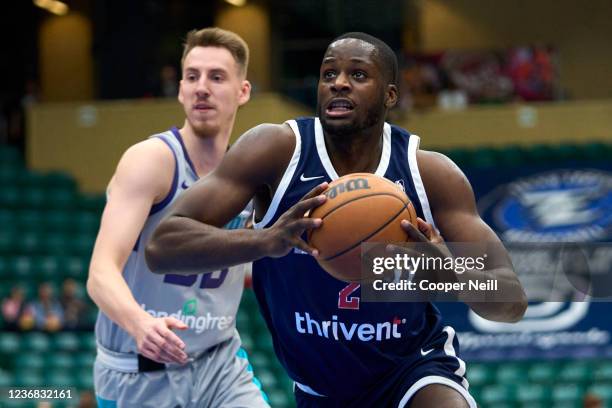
<point>156,340</point>
<point>286,232</point>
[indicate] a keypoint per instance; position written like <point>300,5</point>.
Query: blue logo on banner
<point>557,206</point>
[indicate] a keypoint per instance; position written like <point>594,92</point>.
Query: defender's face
<point>351,92</point>
<point>211,89</point>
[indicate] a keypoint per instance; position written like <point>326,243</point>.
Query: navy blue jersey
<point>328,341</point>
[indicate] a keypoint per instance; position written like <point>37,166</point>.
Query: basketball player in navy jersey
<point>339,351</point>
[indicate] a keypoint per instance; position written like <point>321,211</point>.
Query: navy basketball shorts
<point>434,363</point>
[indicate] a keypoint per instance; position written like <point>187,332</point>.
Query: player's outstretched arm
<point>191,240</point>
<point>143,176</point>
<point>454,210</point>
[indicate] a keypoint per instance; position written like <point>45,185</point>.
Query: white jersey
<point>206,303</point>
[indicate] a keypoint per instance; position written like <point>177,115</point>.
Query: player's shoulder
<point>152,152</point>
<point>268,133</point>
<point>430,161</point>
<point>266,141</point>
<point>441,176</point>
<point>146,163</point>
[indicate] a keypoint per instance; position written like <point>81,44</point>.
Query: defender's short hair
<point>386,57</point>
<point>217,37</point>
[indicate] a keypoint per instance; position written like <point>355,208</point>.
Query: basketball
<point>360,207</point>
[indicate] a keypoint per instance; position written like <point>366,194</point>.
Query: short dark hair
<point>217,37</point>
<point>387,58</point>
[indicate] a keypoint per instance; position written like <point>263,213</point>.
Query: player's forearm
<point>112,295</point>
<point>507,304</point>
<point>182,245</point>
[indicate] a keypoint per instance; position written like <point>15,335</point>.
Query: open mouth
<point>339,108</point>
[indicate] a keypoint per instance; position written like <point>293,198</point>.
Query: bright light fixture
<point>53,6</point>
<point>237,3</point>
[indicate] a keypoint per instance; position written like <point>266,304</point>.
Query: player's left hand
<point>423,232</point>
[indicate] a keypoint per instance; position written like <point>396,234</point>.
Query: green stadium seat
<point>279,398</point>
<point>540,153</point>
<point>6,379</point>
<point>82,244</point>
<point>30,220</point>
<point>34,198</point>
<point>60,180</point>
<point>497,394</point>
<point>460,156</point>
<point>36,342</point>
<point>5,273</point>
<point>21,267</point>
<point>484,157</point>
<point>29,242</point>
<point>10,197</point>
<point>91,202</point>
<point>576,371</point>
<point>602,390</point>
<point>85,222</point>
<point>510,373</point>
<point>597,151</point>
<point>32,179</point>
<point>479,374</point>
<point>9,343</point>
<point>61,378</point>
<point>7,218</point>
<point>568,393</point>
<point>66,341</point>
<point>84,380</point>
<point>75,267</point>
<point>542,372</point>
<point>259,360</point>
<point>10,154</point>
<point>60,361</point>
<point>29,378</point>
<point>267,378</point>
<point>30,361</point>
<point>263,341</point>
<point>56,243</point>
<point>87,341</point>
<point>85,360</point>
<point>7,241</point>
<point>530,394</point>
<point>603,372</point>
<point>61,199</point>
<point>47,267</point>
<point>511,156</point>
<point>247,341</point>
<point>8,175</point>
<point>58,221</point>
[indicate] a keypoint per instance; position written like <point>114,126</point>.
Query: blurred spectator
<point>168,81</point>
<point>87,400</point>
<point>532,73</point>
<point>12,308</point>
<point>74,307</point>
<point>592,401</point>
<point>45,313</point>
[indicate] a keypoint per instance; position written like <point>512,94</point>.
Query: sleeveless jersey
<point>206,303</point>
<point>329,342</point>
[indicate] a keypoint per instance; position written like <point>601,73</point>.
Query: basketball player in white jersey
<point>170,340</point>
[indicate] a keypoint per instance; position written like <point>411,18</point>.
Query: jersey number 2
<point>345,300</point>
<point>208,280</point>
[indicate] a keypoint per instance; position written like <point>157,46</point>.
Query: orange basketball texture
<point>360,207</point>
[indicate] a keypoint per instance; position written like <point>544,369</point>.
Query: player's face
<point>211,90</point>
<point>351,92</point>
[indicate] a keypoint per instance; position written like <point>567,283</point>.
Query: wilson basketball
<point>360,207</point>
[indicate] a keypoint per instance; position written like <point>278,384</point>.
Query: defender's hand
<point>156,341</point>
<point>286,232</point>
